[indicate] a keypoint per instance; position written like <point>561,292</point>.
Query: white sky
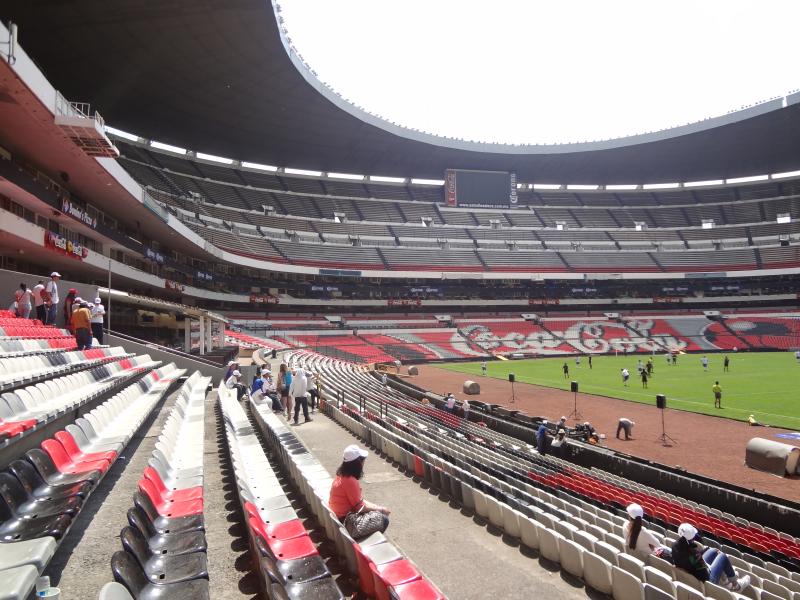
<point>529,71</point>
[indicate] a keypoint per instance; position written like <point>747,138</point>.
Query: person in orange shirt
<point>360,518</point>
<point>81,319</point>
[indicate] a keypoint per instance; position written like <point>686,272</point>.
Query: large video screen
<point>480,188</point>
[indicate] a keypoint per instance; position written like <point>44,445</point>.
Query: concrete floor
<point>464,557</point>
<point>82,563</point>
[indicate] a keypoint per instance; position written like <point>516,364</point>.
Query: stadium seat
<point>36,487</point>
<point>114,591</point>
<point>20,504</point>
<point>166,543</point>
<point>160,568</point>
<point>625,586</point>
<point>128,572</point>
<point>17,582</point>
<point>597,572</point>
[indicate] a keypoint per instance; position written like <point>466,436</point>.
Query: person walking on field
<point>644,379</point>
<point>565,368</point>
<point>726,363</point>
<point>704,362</point>
<point>590,362</point>
<point>483,368</point>
<point>625,376</point>
<point>717,389</point>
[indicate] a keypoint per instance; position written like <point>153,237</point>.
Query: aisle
<point>461,557</point>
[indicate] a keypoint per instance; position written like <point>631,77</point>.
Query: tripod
<point>576,414</point>
<point>513,395</point>
<point>664,438</point>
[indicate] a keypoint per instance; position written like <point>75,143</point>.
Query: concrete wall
<point>157,353</point>
<point>10,280</point>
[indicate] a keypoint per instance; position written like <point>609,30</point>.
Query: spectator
<point>360,518</point>
<point>98,312</point>
<point>232,366</point>
<point>625,425</point>
<point>706,564</point>
<point>81,319</point>
<point>22,298</point>
<point>298,390</point>
<point>639,539</point>
<point>284,383</point>
<point>562,423</point>
<point>51,299</point>
<point>257,391</point>
<point>70,307</point>
<point>234,382</point>
<point>559,443</point>
<point>313,391</point>
<point>542,439</point>
<point>384,379</point>
<point>465,408</point>
<point>38,301</point>
<point>450,403</point>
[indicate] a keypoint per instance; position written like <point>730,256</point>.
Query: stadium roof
<point>219,76</point>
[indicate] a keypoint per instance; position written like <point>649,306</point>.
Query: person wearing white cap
<point>233,383</point>
<point>50,296</point>
<point>638,539</point>
<point>98,312</point>
<point>360,518</point>
<point>313,391</point>
<point>232,366</point>
<point>706,564</point>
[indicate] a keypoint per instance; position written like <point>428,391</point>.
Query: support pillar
<point>202,335</point>
<point>209,339</point>
<point>187,335</point>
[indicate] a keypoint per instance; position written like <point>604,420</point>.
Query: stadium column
<point>202,336</point>
<point>209,339</point>
<point>187,335</point>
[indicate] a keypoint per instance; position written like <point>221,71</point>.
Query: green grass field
<point>766,385</point>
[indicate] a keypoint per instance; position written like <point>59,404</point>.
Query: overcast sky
<point>525,71</point>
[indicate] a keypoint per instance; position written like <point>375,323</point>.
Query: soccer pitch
<point>765,384</point>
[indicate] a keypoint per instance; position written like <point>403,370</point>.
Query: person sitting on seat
<point>639,539</point>
<point>233,382</point>
<point>559,443</point>
<point>706,564</point>
<point>359,517</point>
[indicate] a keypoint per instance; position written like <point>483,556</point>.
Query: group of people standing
<point>82,318</point>
<point>288,390</point>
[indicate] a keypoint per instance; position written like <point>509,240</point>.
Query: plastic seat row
<point>33,331</point>
<point>497,514</point>
<point>23,369</point>
<point>41,493</point>
<point>289,563</point>
<point>382,570</point>
<point>24,347</point>
<point>164,545</point>
<point>27,408</point>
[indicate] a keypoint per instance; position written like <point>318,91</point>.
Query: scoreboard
<point>480,188</point>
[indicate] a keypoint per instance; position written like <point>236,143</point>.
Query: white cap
<point>563,418</point>
<point>237,374</point>
<point>687,531</point>
<point>55,274</point>
<point>78,299</point>
<point>97,301</point>
<point>634,510</point>
<point>231,363</point>
<point>352,452</point>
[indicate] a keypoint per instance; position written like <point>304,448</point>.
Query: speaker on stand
<point>575,414</point>
<point>661,404</point>
<point>512,379</point>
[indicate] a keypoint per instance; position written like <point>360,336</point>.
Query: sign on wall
<point>61,244</point>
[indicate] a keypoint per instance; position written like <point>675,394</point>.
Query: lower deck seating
<point>381,568</point>
<point>41,493</point>
<point>164,547</point>
<point>287,560</point>
<point>571,515</point>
